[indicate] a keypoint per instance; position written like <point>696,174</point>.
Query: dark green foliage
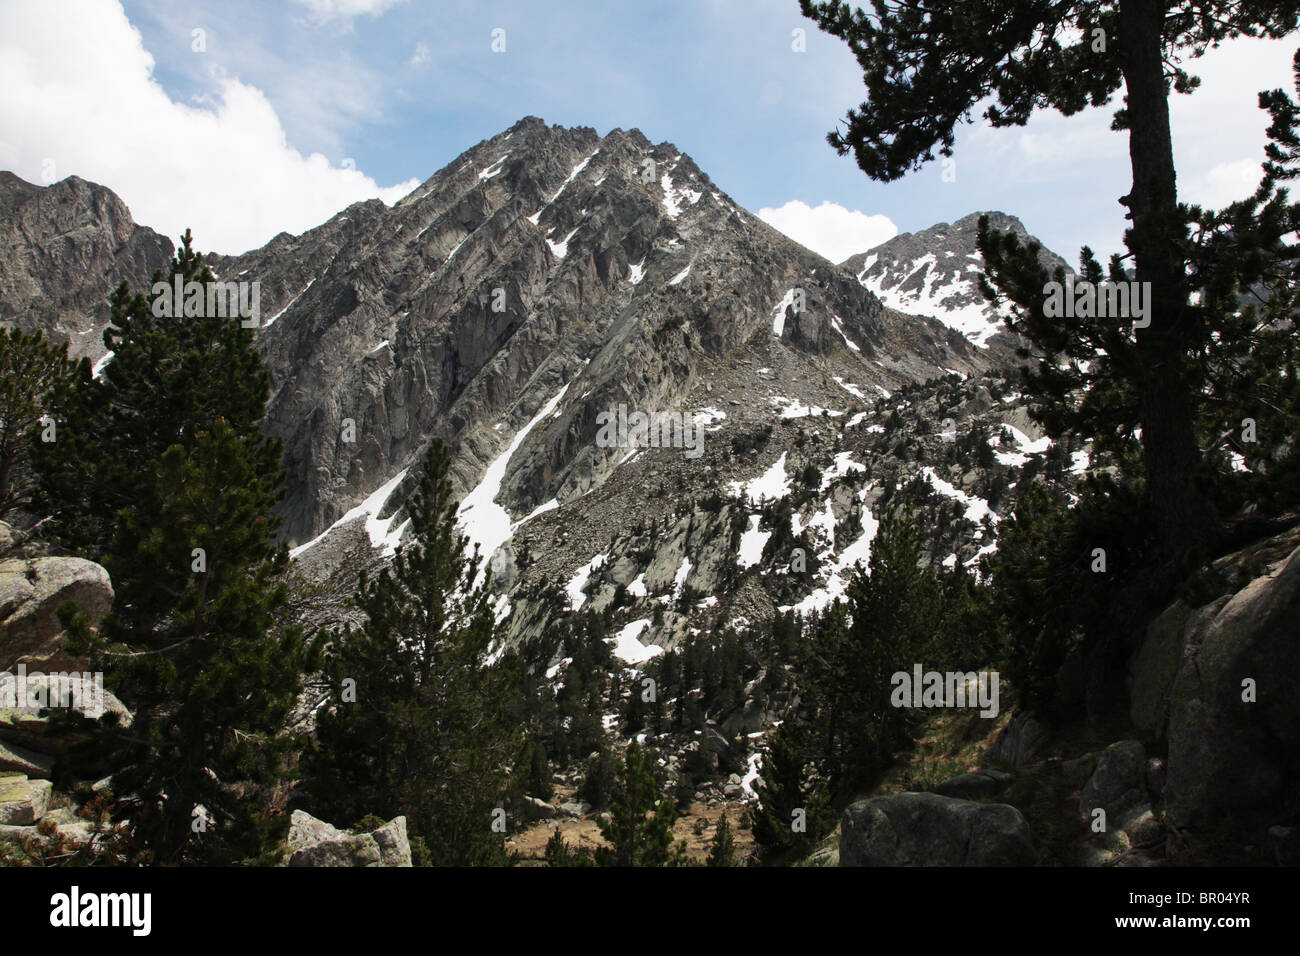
<point>170,376</point>
<point>792,813</point>
<point>723,851</point>
<point>1190,369</point>
<point>927,64</point>
<point>1044,588</point>
<point>558,853</point>
<point>183,482</point>
<point>889,622</point>
<point>539,783</point>
<point>417,725</point>
<point>847,730</point>
<point>30,370</point>
<point>598,784</point>
<point>640,822</point>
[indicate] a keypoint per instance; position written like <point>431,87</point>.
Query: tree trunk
<point>1183,517</point>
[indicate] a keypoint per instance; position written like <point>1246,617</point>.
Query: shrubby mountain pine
<point>639,827</point>
<point>418,722</point>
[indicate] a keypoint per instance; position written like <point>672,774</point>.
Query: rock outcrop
<point>1215,685</point>
<point>37,676</point>
<point>31,592</point>
<point>1115,805</point>
<point>31,826</point>
<point>23,801</point>
<point>35,696</point>
<point>312,842</point>
<point>63,249</point>
<point>926,829</point>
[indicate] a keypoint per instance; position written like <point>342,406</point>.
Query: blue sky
<point>292,110</point>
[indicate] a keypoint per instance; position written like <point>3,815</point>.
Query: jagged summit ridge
<point>935,272</point>
<point>63,249</point>
<point>540,258</point>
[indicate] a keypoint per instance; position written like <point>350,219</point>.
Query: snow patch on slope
<point>378,529</point>
<point>628,647</point>
<point>480,518</point>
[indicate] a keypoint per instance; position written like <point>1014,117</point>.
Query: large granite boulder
<point>313,842</point>
<point>39,696</point>
<point>18,759</point>
<point>31,591</point>
<point>1216,682</point>
<point>1118,784</point>
<point>1115,806</point>
<point>23,801</point>
<point>1021,741</point>
<point>926,829</point>
<point>980,785</point>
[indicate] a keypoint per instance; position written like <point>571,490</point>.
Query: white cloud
<point>1222,184</point>
<point>830,229</point>
<point>80,94</point>
<point>421,55</point>
<point>323,11</point>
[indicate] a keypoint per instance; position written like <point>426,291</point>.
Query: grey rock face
<point>1118,785</point>
<point>29,726</point>
<point>1211,683</point>
<point>18,759</point>
<point>31,592</point>
<point>925,829</point>
<point>536,809</point>
<point>554,268</point>
<point>1115,806</point>
<point>312,842</point>
<point>980,785</point>
<point>23,801</point>
<point>935,272</point>
<point>540,259</point>
<point>1021,741</point>
<point>63,249</point>
<point>1232,747</point>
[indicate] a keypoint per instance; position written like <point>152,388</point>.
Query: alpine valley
<point>550,278</point>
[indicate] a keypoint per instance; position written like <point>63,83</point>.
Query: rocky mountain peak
<point>935,272</point>
<point>63,249</point>
<point>549,278</point>
<point>542,259</point>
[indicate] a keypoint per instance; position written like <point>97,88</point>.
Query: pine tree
<point>192,648</point>
<point>928,64</point>
<point>640,823</point>
<point>558,853</point>
<point>792,812</point>
<point>540,783</point>
<point>161,471</point>
<point>723,850</point>
<point>887,624</point>
<point>418,726</point>
<point>31,369</point>
<point>171,375</point>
